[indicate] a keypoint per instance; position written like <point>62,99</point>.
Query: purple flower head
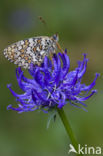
<point>53,85</point>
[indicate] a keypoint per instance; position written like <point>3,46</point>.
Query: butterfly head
<point>55,37</point>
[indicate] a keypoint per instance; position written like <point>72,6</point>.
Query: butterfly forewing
<point>32,50</point>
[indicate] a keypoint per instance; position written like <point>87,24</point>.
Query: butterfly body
<point>32,50</point>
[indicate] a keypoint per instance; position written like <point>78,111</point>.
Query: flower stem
<point>68,129</point>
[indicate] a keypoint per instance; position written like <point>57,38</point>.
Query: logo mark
<point>85,150</point>
<point>72,149</point>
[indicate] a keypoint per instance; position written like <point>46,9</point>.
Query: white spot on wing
<point>20,47</point>
<point>22,42</point>
<point>42,52</point>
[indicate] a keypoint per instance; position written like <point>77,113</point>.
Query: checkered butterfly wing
<point>32,50</point>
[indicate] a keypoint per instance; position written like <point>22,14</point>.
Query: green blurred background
<point>80,28</point>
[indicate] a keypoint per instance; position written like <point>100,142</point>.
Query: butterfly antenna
<point>44,23</point>
<point>42,20</point>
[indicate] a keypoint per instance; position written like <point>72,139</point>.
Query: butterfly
<point>32,50</point>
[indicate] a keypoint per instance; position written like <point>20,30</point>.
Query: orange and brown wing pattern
<point>32,50</point>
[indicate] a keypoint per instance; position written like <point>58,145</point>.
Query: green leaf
<point>52,117</point>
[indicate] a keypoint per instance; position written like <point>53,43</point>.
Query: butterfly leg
<point>51,58</point>
<point>59,47</point>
